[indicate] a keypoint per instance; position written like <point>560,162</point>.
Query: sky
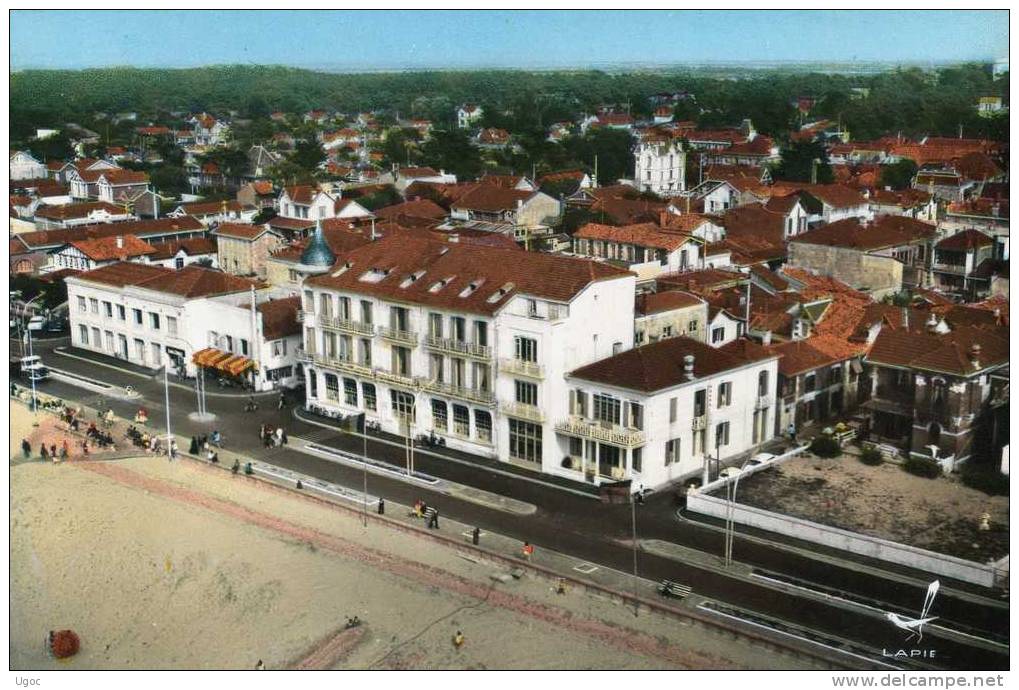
<point>369,40</point>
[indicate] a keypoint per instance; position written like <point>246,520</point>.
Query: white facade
<point>466,115</point>
<point>154,329</point>
<point>321,206</point>
<point>723,329</point>
<point>660,168</point>
<point>657,438</point>
<point>499,372</point>
<point>24,166</point>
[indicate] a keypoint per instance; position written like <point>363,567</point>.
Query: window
<point>137,316</point>
<point>365,352</point>
<point>229,342</point>
<point>279,374</point>
<point>309,301</point>
<point>483,425</point>
<point>401,361</point>
<point>481,333</point>
<point>156,354</point>
<point>139,349</point>
<point>692,326</point>
<point>108,310</point>
<point>639,337</point>
<point>762,384</point>
<point>634,415</point>
<point>93,304</point>
<point>171,326</point>
<point>368,394</point>
<point>344,308</point>
<point>532,308</point>
<point>667,332</point>
<point>524,441</point>
<point>672,451</point>
<point>83,334</point>
<point>399,319</point>
<point>97,338</point>
<point>178,263</point>
<point>617,347</point>
<point>527,393</point>
<point>637,459</point>
<point>482,377</point>
<point>717,334</point>
<point>606,408</point>
<point>461,420</point>
<point>700,402</point>
<point>435,368</point>
<point>673,409</point>
<point>440,421</point>
<point>366,312</point>
<point>154,320</point>
<point>121,312</point>
<point>350,392</point>
<point>109,341</point>
<point>721,434</point>
<point>402,404</point>
<point>526,348</point>
<point>332,387</point>
<point>435,325</point>
<point>459,329</point>
<point>82,306</point>
<point>325,305</point>
<point>724,394</point>
<point>578,403</point>
<point>809,383</point>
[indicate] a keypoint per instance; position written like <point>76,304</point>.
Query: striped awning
<point>236,365</point>
<point>228,362</point>
<point>204,358</point>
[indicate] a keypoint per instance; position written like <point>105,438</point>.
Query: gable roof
<point>492,198</point>
<point>966,240</point>
<point>948,353</point>
<point>107,248</point>
<point>641,235</point>
<point>648,303</point>
<point>415,208</point>
<point>42,239</point>
<point>243,231</point>
<point>82,210</point>
<point>659,365</point>
<point>279,317</point>
<point>881,233</point>
<point>190,281</point>
<point>191,246</point>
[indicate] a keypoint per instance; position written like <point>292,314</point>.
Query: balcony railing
<point>950,268</point>
<point>346,365</point>
<point>699,423</point>
<point>524,411</point>
<point>461,392</point>
<point>458,347</point>
<point>346,325</point>
<point>522,368</point>
<point>616,435</point>
<point>397,335</point>
<point>763,402</point>
<point>398,379</point>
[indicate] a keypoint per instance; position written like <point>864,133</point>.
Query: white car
<point>729,472</point>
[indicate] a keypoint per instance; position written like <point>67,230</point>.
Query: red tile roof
<point>243,231</point>
<point>903,198</point>
<point>799,356</point>
<point>142,228</point>
<point>492,198</point>
<point>120,248</point>
<point>641,235</point>
<point>82,210</point>
<point>966,240</point>
<point>192,246</point>
<point>125,177</point>
<point>190,281</point>
<point>949,353</point>
<point>659,365</point>
<point>881,233</point>
<point>649,303</point>
<point>279,317</point>
<point>415,208</point>
<point>497,274</point>
<point>204,208</point>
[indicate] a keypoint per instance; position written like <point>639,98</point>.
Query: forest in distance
<point>912,101</point>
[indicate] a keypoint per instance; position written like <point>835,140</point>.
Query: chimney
<point>974,355</point>
<point>688,367</point>
<point>905,317</point>
<point>932,323</point>
<point>120,241</point>
<point>453,237</point>
<point>766,338</point>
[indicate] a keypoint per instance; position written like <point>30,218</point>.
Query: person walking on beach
<point>283,436</point>
<point>283,401</point>
<point>458,639</point>
<point>193,448</point>
<point>65,449</point>
<point>26,448</point>
<point>527,551</point>
<point>43,453</point>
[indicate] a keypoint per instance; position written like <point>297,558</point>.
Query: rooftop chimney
<point>905,317</point>
<point>974,355</point>
<point>120,241</point>
<point>688,367</point>
<point>932,323</point>
<point>766,338</point>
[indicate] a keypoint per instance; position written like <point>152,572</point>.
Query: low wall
<point>853,542</point>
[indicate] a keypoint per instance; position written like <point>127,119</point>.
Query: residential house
<point>177,254</point>
<point>646,249</point>
<point>467,115</point>
<point>527,213</point>
<point>409,331</point>
<point>243,249</point>
<point>259,194</point>
<point>209,131</point>
<point>212,212</point>
<point>660,167</point>
<point>661,412</point>
<point>405,177</point>
<point>85,213</point>
<point>913,203</point>
<point>24,166</point>
<point>669,314</point>
<point>957,257</point>
<point>88,254</point>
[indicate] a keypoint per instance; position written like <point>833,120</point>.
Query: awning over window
<point>213,358</point>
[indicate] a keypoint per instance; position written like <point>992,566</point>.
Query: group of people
<point>429,513</point>
<point>273,437</point>
<point>50,453</point>
<point>103,439</point>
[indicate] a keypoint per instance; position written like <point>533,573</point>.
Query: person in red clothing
<point>527,551</point>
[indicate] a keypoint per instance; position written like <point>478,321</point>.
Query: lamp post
<point>730,522</point>
<point>32,375</point>
<point>166,389</point>
<point>633,523</point>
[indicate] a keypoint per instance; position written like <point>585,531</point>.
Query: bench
<point>668,588</point>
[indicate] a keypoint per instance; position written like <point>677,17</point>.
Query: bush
<point>825,447</point>
<point>871,456</point>
<point>986,479</point>
<point>922,467</point>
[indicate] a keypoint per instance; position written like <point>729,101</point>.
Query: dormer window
<point>439,284</point>
<point>411,279</point>
<point>472,287</point>
<point>500,293</point>
<point>374,275</point>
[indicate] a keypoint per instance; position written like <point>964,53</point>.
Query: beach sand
<point>160,565</point>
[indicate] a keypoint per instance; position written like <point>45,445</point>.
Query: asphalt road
<point>576,525</point>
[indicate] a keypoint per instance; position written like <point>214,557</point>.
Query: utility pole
<point>166,388</point>
<point>633,520</point>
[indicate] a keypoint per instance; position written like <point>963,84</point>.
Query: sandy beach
<point>162,565</point>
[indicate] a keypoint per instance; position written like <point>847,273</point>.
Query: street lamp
<point>32,375</point>
<point>730,522</point>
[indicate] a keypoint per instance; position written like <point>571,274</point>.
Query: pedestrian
<point>193,448</point>
<point>248,469</point>
<point>261,433</point>
<point>382,506</point>
<point>434,522</point>
<point>237,466</point>
<point>640,495</point>
<point>84,447</point>
<point>43,453</point>
<point>53,450</point>
<point>419,508</point>
<point>476,536</point>
<point>299,484</point>
<point>215,458</point>
<point>527,551</point>
<point>282,402</point>
<point>173,449</point>
<point>560,586</point>
<point>458,639</point>
<point>279,436</point>
<point>65,449</point>
<point>260,666</point>
<point>26,448</point>
<point>791,430</point>
<point>209,455</point>
<point>283,437</point>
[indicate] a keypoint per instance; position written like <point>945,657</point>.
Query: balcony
<point>763,402</point>
<point>394,378</point>
<point>700,423</point>
<point>346,325</point>
<point>346,365</point>
<point>614,434</point>
<point>303,355</point>
<point>398,336</point>
<point>519,367</point>
<point>473,394</point>
<point>458,347</point>
<point>955,269</point>
<point>531,413</point>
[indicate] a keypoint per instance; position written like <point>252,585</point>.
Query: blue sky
<point>560,38</point>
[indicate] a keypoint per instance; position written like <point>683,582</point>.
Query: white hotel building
<point>470,342</point>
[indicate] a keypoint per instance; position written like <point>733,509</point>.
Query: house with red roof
<point>669,314</point>
<point>87,254</point>
<point>468,114</point>
<point>957,257</point>
<point>646,249</point>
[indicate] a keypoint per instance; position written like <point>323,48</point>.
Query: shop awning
<point>204,358</point>
<point>228,362</point>
<point>236,365</point>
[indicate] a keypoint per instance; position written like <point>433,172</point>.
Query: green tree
<point>452,152</point>
<point>613,149</point>
<point>799,160</point>
<point>308,155</point>
<point>898,175</point>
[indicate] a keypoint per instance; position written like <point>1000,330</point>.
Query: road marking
<point>585,568</point>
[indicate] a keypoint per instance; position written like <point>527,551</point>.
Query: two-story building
<point>88,254</point>
<point>528,213</point>
<point>467,341</point>
<point>660,167</point>
<point>468,114</point>
<point>659,315</point>
<point>645,249</point>
<point>956,259</point>
<point>667,410</point>
<point>25,166</point>
<point>244,250</point>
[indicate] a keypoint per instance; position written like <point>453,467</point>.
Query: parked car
<point>32,369</point>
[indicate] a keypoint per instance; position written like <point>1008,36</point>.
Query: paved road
<point>585,528</point>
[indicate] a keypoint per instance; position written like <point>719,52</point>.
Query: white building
<point>660,167</point>
<point>465,341</point>
<point>154,317</point>
<point>467,115</point>
<point>24,166</point>
<point>655,414</point>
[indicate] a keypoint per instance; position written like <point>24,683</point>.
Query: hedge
<point>922,467</point>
